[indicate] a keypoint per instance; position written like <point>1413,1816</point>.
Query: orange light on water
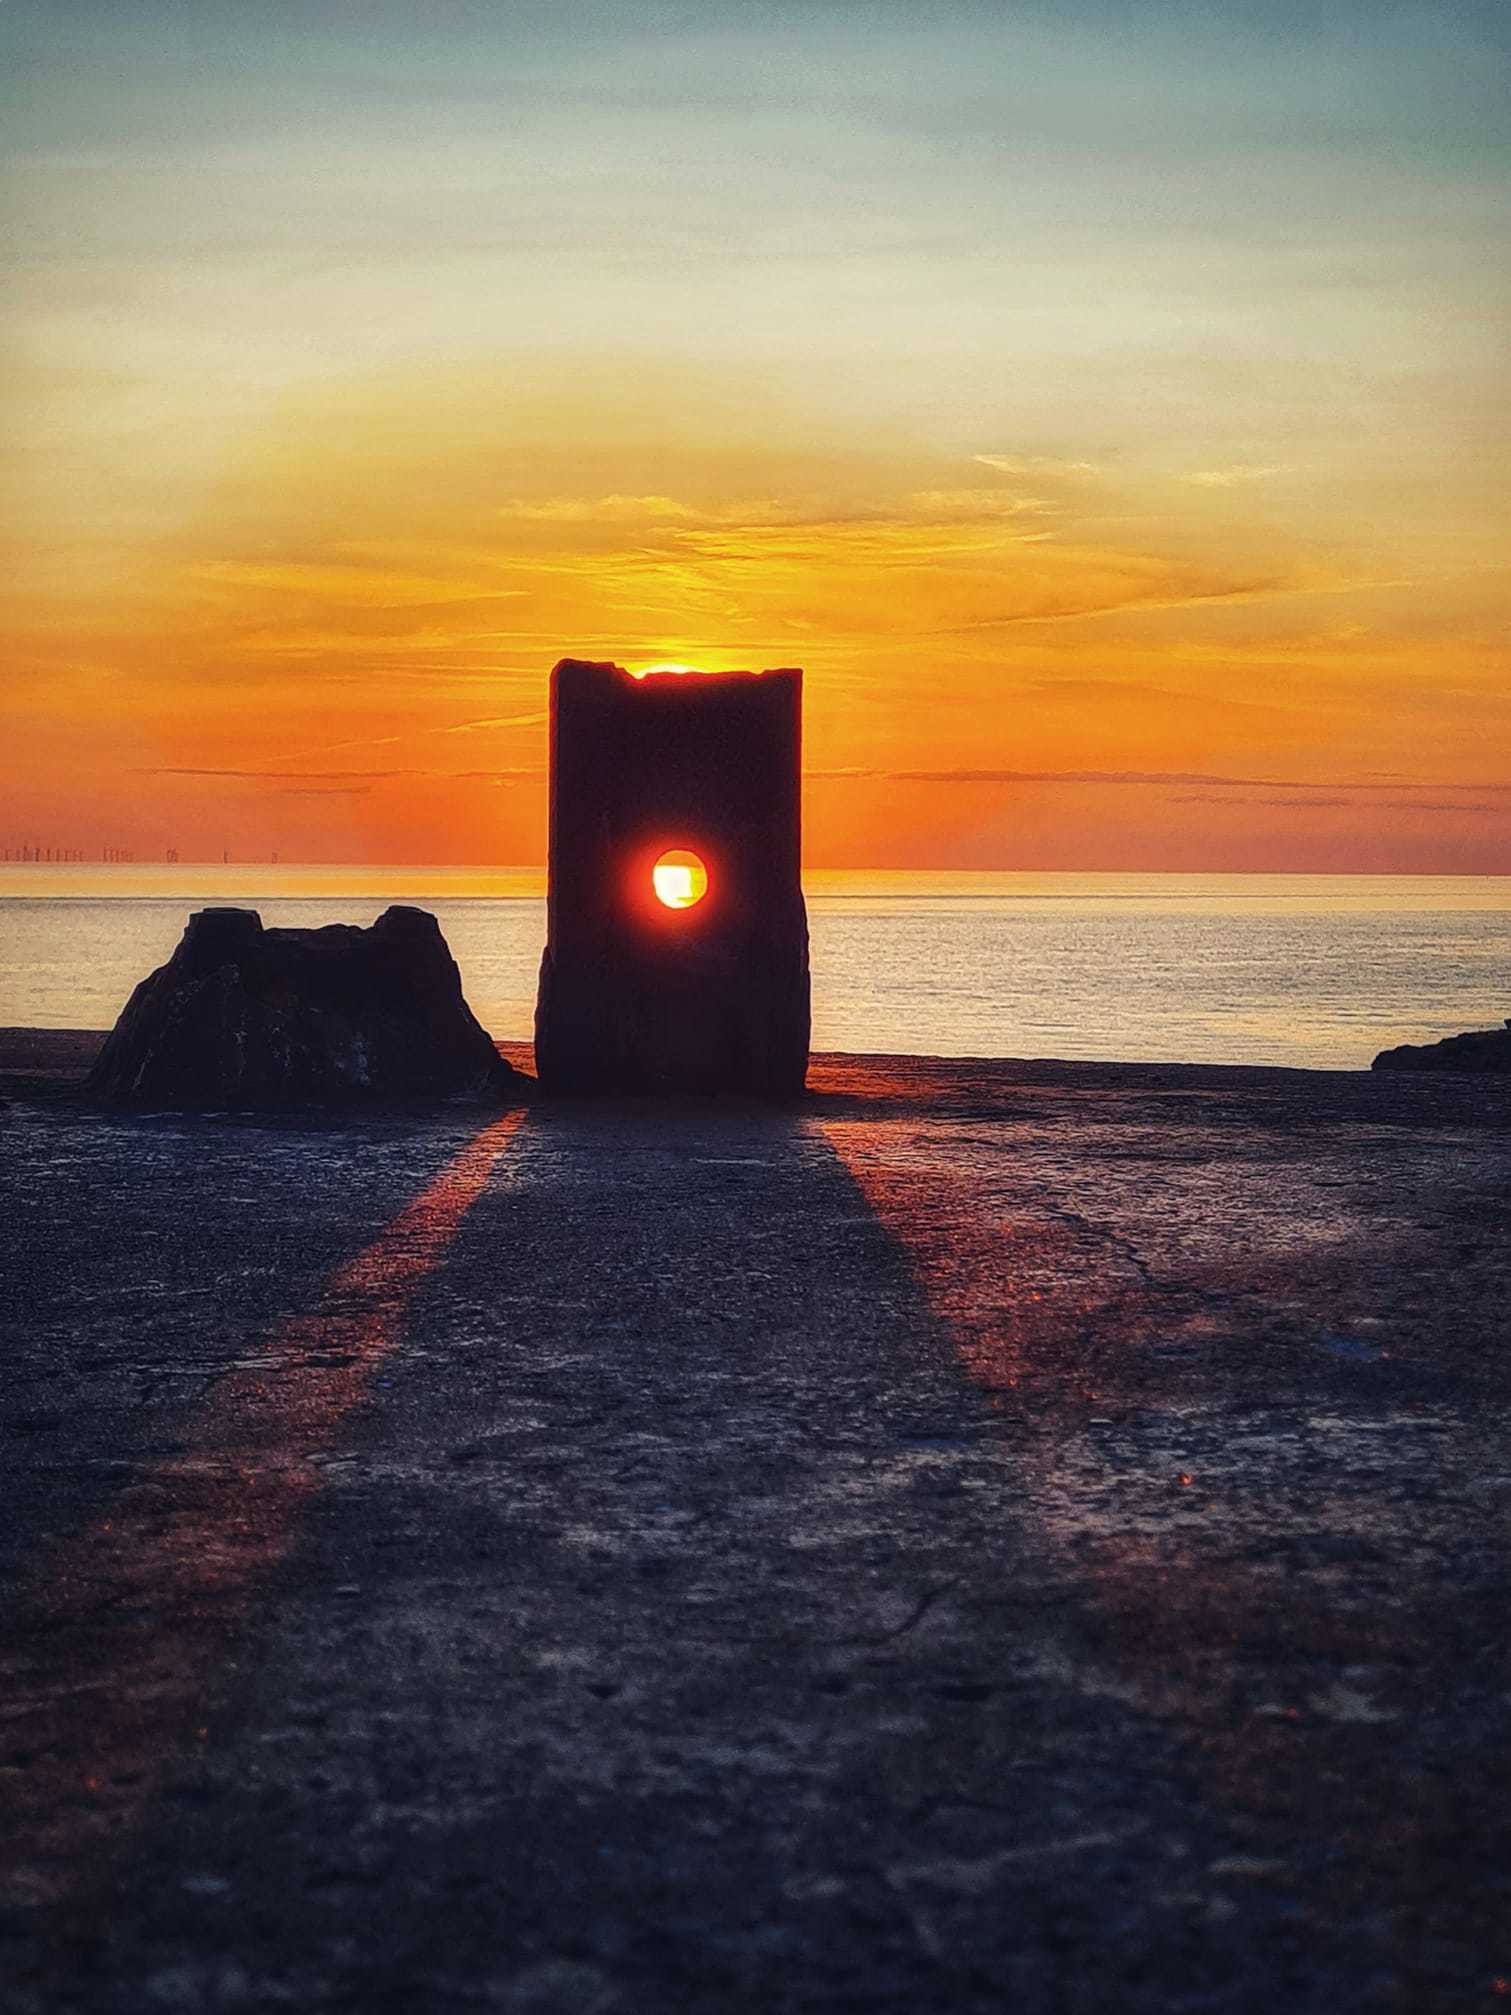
<point>679,879</point>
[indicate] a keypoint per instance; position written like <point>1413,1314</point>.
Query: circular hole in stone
<point>679,879</point>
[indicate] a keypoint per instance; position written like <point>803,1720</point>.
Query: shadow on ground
<point>1026,1545</point>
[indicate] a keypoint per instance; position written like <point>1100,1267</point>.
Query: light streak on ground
<point>131,1625</point>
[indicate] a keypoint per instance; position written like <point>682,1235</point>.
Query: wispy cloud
<point>1319,804</point>
<point>612,510</point>
<point>493,721</point>
<point>1420,805</point>
<point>1040,465</point>
<point>483,723</point>
<point>506,776</point>
<point>980,503</point>
<point>305,777</point>
<point>333,781</point>
<point>1208,788</point>
<point>1191,777</point>
<point>1235,474</point>
<point>1163,777</point>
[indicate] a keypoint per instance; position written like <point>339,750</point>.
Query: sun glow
<point>1044,546</point>
<point>679,879</point>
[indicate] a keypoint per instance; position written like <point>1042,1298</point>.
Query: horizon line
<point>809,867</point>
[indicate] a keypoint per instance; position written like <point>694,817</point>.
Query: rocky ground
<point>993,1536</point>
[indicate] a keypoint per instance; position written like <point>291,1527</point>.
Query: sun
<point>679,879</point>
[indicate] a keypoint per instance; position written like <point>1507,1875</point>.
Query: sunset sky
<point>1107,405</point>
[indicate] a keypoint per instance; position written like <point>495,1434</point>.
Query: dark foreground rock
<point>248,1019</point>
<point>1481,1050</point>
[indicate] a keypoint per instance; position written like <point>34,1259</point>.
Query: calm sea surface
<point>1292,969</point>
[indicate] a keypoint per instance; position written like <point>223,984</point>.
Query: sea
<point>1315,971</point>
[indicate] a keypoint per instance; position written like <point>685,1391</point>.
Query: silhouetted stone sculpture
<point>1480,1052</point>
<point>250,1019</point>
<point>706,988</point>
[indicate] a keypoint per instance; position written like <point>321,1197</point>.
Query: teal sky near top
<point>714,181</point>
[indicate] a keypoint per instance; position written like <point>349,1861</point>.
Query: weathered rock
<point>636,995</point>
<point>260,1020</point>
<point>1479,1052</point>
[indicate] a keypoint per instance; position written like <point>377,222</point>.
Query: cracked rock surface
<point>990,1536</point>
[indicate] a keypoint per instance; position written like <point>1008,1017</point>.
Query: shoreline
<point>70,1051</point>
<point>51,1063</point>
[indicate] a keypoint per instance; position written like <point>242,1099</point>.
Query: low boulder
<point>247,1019</point>
<point>1481,1051</point>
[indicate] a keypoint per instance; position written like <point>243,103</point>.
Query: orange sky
<point>1142,512</point>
